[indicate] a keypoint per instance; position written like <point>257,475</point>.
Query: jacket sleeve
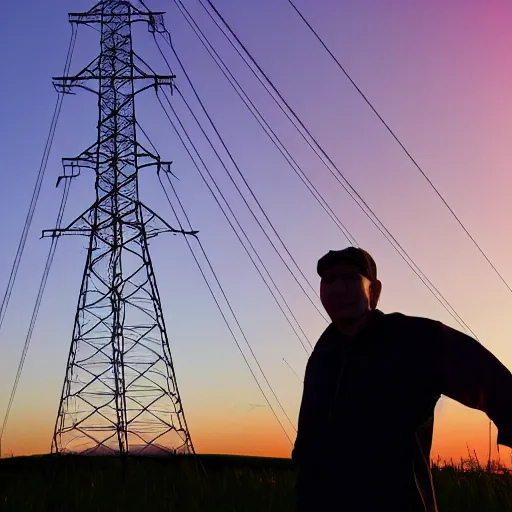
<point>468,373</point>
<point>303,430</point>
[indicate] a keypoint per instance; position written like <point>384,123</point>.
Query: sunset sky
<point>440,74</point>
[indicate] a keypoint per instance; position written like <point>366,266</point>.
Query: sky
<point>439,73</point>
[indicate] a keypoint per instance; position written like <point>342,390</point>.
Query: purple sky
<point>439,73</point>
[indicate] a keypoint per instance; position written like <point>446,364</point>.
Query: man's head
<point>349,287</point>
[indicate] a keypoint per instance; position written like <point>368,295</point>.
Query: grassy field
<point>223,483</point>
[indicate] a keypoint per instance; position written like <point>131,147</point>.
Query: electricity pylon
<point>120,393</point>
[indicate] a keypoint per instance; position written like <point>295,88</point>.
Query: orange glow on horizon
<point>264,440</point>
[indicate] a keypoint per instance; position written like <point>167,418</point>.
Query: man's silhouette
<point>371,385</point>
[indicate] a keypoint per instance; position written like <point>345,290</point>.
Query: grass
<point>220,483</point>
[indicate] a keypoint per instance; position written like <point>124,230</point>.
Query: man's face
<point>345,293</point>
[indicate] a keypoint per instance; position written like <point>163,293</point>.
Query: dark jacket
<point>366,417</point>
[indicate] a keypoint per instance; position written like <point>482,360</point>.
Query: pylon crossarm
<point>98,15</point>
<point>167,228</point>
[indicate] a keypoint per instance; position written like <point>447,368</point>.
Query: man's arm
<point>302,428</point>
<point>467,372</point>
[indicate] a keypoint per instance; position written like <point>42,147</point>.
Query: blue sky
<point>439,73</point>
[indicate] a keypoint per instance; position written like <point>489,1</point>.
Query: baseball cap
<point>358,257</point>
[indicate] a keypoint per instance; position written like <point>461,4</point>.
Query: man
<point>371,385</point>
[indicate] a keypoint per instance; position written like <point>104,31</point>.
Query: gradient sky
<point>439,72</point>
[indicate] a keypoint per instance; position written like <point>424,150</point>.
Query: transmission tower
<point>120,393</point>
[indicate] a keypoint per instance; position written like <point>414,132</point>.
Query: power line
<point>339,176</point>
<point>392,133</point>
<point>250,209</point>
<point>294,372</point>
<point>243,178</point>
<point>211,267</point>
<point>211,177</point>
<point>229,306</point>
<point>35,312</point>
<point>239,226</point>
<point>37,188</point>
<point>243,245</point>
<point>231,309</point>
<point>263,123</point>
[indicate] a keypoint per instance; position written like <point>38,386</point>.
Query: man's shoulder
<point>389,324</point>
<point>402,320</point>
<point>327,340</point>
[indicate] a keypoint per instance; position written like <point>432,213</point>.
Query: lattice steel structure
<point>120,393</point>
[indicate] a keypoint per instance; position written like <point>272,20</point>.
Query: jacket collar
<point>331,339</point>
